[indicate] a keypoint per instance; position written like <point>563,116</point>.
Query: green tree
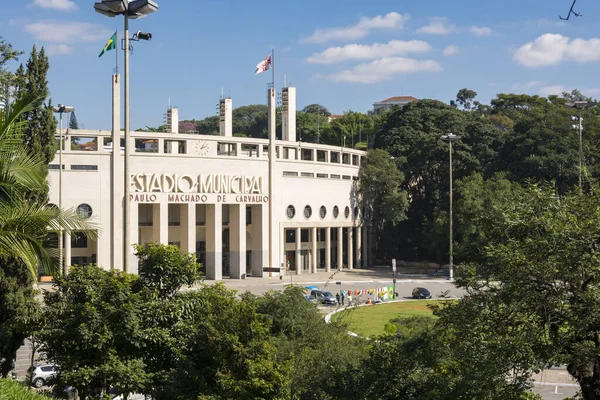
<point>24,228</point>
<point>93,331</point>
<point>208,126</point>
<point>465,98</point>
<point>320,357</point>
<point>383,201</point>
<point>250,120</point>
<point>73,124</point>
<point>39,135</point>
<point>7,53</point>
<point>412,135</point>
<point>166,269</point>
<point>19,307</point>
<point>535,290</point>
<point>219,348</point>
<point>425,360</point>
<point>16,390</point>
<point>354,126</point>
<point>316,109</point>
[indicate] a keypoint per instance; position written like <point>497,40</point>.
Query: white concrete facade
<point>211,195</point>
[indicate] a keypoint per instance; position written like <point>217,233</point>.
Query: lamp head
<point>580,105</point>
<point>139,35</point>
<point>450,137</point>
<point>61,108</point>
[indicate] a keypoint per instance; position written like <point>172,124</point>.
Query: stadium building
<point>243,207</point>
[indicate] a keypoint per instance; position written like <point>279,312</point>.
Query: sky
<point>343,55</point>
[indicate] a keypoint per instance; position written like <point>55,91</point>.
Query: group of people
<point>342,298</point>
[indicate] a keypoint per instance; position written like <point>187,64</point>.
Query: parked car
<point>421,293</point>
<point>42,373</point>
<point>310,298</point>
<point>323,297</point>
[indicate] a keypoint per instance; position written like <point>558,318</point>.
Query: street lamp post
<point>580,105</point>
<point>450,137</point>
<point>61,109</point>
<point>130,10</point>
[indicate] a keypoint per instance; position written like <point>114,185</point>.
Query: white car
<point>42,373</point>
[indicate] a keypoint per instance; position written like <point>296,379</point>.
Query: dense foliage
<point>12,390</point>
<point>524,138</point>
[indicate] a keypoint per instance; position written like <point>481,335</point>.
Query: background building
<point>386,104</point>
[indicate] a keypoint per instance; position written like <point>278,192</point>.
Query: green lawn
<point>370,320</point>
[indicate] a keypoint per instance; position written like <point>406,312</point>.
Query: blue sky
<point>343,55</point>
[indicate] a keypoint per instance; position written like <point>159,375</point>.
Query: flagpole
<point>116,59</point>
<point>272,129</point>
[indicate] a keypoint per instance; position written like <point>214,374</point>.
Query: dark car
<point>421,293</point>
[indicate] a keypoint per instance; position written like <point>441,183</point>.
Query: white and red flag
<point>264,65</point>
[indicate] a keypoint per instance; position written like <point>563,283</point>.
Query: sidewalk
<point>321,277</point>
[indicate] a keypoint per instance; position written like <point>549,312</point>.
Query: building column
<point>260,239</point>
<point>160,223</point>
<point>214,241</point>
<point>350,250</point>
<point>340,248</point>
<point>237,240</point>
<point>187,218</point>
<point>298,250</point>
<point>327,249</point>
<point>67,252</point>
<point>134,236</point>
<point>359,247</point>
<point>313,250</point>
<point>365,249</point>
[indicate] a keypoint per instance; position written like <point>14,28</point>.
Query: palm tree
<point>26,223</point>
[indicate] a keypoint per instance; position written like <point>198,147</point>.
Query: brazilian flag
<point>110,45</point>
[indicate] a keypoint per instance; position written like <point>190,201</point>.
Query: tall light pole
<point>61,109</point>
<point>450,137</point>
<point>580,105</point>
<point>130,10</point>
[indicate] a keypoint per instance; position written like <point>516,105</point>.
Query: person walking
<point>349,300</point>
<point>337,297</point>
<point>343,296</point>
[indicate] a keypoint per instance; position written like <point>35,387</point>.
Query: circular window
<point>322,212</point>
<point>336,211</point>
<point>347,212</point>
<point>307,212</point>
<point>84,211</point>
<point>290,212</point>
<point>355,212</point>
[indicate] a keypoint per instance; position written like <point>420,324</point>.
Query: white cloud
<point>55,4</point>
<point>365,25</point>
<point>57,49</point>
<point>527,85</point>
<point>365,52</point>
<point>552,48</point>
<point>437,26</point>
<point>451,50</point>
<point>67,32</point>
<point>384,69</point>
<point>553,89</point>
<point>481,30</point>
